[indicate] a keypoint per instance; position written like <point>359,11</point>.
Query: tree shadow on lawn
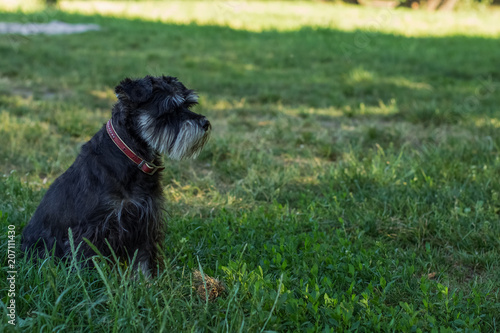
<point>375,77</point>
<point>310,68</point>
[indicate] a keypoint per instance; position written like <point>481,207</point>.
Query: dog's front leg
<point>143,263</point>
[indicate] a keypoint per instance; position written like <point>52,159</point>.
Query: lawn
<point>351,183</point>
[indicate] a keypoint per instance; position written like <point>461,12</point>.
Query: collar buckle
<point>149,168</point>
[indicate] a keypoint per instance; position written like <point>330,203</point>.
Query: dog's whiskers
<point>187,144</point>
<point>158,138</point>
<point>188,141</point>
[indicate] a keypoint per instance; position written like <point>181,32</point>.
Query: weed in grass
<point>207,287</point>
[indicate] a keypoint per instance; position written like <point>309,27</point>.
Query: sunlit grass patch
<point>277,15</point>
<point>257,16</point>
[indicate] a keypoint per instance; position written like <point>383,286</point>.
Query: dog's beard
<point>187,144</point>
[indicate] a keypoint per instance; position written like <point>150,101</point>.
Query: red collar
<point>146,167</point>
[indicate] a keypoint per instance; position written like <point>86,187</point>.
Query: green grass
<point>351,184</point>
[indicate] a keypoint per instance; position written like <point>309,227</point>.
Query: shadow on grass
<point>249,79</point>
<point>287,79</point>
<point>432,79</point>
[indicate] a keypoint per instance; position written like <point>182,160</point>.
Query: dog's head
<point>158,109</point>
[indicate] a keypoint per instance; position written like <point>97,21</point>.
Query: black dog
<point>112,195</point>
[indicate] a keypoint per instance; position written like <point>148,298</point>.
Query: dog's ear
<point>136,91</point>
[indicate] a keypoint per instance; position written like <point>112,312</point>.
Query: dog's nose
<point>205,124</point>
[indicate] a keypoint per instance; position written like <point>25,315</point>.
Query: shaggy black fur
<point>104,196</point>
